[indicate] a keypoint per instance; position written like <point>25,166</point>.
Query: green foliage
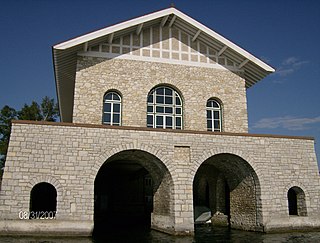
<point>6,115</point>
<point>46,111</point>
<point>49,109</point>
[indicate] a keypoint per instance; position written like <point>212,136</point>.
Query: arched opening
<point>296,202</point>
<point>43,201</point>
<point>226,191</point>
<point>130,189</point>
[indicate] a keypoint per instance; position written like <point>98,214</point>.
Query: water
<point>203,234</point>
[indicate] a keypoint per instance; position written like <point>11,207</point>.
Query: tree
<point>47,111</point>
<point>6,115</point>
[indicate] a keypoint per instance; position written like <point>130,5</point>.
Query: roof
<point>65,53</point>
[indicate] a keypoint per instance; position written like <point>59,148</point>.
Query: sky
<point>283,33</point>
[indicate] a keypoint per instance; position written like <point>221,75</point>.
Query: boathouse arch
<point>228,186</point>
<point>132,184</point>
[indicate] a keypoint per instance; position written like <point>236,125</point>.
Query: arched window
<point>43,201</point>
<point>112,109</point>
<point>296,202</point>
<point>164,108</point>
<point>214,116</point>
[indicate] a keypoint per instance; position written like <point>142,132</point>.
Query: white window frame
<point>165,115</point>
<point>112,102</point>
<point>212,120</point>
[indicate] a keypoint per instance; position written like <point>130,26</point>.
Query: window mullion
<point>111,118</point>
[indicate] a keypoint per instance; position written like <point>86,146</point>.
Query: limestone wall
<point>69,156</point>
<point>135,79</point>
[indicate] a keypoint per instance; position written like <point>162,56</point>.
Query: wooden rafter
<point>222,50</point>
<point>172,21</point>
<point>110,38</point>
<point>85,46</point>
<point>196,35</point>
<point>164,20</point>
<point>243,63</point>
<point>139,28</point>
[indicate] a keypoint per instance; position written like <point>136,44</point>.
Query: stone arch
<point>239,197</point>
<point>139,163</point>
<point>295,184</point>
<point>48,179</point>
<point>113,90</point>
<point>108,153</point>
<point>206,154</point>
<point>296,198</point>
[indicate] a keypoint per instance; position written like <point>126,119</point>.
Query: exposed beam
<point>243,63</point>
<point>196,35</point>
<point>164,20</point>
<point>139,28</point>
<point>172,21</point>
<point>222,50</point>
<point>110,38</point>
<point>85,46</point>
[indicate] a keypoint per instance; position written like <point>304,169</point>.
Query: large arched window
<point>164,108</point>
<point>214,116</point>
<point>112,109</point>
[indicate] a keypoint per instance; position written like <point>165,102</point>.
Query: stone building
<point>154,126</point>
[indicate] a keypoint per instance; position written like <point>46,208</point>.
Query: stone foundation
<point>69,157</point>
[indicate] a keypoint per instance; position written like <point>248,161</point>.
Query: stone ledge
<point>46,227</point>
<point>292,223</point>
<point>65,124</point>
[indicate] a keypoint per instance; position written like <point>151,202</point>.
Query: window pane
<point>168,91</point>
<point>209,125</point>
<point>115,96</point>
<point>178,111</point>
<point>178,121</point>
<point>169,121</point>
<point>159,99</point>
<point>108,96</point>
<point>215,104</point>
<point>168,110</point>
<point>150,121</point>
<point>169,100</point>
<point>159,121</point>
<point>216,124</point>
<point>178,101</point>
<point>216,114</point>
<point>209,103</point>
<point>209,114</point>
<point>159,109</point>
<point>150,108</point>
<point>116,118</point>
<point>116,108</point>
<point>107,117</point>
<point>107,107</point>
<point>150,98</point>
<point>160,91</point>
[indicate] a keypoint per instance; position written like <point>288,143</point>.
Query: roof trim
<point>162,13</point>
